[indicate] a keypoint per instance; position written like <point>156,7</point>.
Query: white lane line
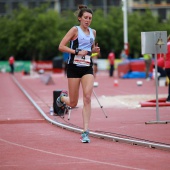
<point>72,157</point>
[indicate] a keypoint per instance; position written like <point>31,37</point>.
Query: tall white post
<point>125,27</point>
<point>105,7</point>
<point>57,6</point>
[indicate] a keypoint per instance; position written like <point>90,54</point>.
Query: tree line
<point>34,34</point>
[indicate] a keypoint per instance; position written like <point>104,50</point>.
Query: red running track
<point>27,141</point>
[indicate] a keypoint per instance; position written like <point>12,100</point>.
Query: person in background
<point>94,59</point>
<point>167,66</point>
<point>79,67</point>
<point>148,62</point>
<point>123,56</point>
<point>11,64</point>
<point>65,60</point>
<point>161,66</point>
<point>111,58</point>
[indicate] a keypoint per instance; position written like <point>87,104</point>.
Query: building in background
<point>59,5</point>
<point>159,8</point>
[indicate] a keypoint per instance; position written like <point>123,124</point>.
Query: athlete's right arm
<point>71,34</point>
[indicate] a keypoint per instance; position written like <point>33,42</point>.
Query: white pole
<point>125,26</point>
<point>57,6</point>
<point>105,7</point>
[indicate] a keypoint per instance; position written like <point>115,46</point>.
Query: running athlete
<point>79,68</point>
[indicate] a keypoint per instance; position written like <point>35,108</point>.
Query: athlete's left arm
<point>95,48</point>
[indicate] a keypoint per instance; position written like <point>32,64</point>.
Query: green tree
<point>140,23</point>
<point>31,33</point>
<point>109,30</point>
<point>36,33</point>
<point>4,38</point>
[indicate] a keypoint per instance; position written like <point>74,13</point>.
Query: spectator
<point>65,58</point>
<point>94,59</point>
<point>161,65</point>
<point>167,66</point>
<point>148,62</point>
<point>111,58</point>
<point>123,56</point>
<point>11,64</point>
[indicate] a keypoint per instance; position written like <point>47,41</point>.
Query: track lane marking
<point>72,157</point>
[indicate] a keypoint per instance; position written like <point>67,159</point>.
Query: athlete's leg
<point>87,85</point>
<point>73,89</point>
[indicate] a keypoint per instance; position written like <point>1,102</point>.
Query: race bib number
<point>82,60</point>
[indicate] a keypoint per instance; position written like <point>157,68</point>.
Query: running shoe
<point>58,101</point>
<point>85,137</point>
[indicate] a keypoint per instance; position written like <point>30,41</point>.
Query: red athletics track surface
<point>27,141</point>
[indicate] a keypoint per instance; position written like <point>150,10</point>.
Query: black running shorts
<point>74,71</point>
